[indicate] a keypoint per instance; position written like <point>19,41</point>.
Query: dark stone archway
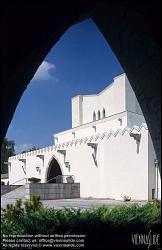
<point>53,171</point>
<point>132,28</point>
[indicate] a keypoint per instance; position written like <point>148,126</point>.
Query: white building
<point>109,150</point>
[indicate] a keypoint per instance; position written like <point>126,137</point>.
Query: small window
<point>103,114</point>
<point>94,116</point>
<point>99,115</point>
<point>73,133</point>
<point>120,120</point>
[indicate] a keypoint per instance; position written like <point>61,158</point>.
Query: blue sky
<point>80,63</point>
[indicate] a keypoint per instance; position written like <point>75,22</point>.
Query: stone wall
<point>8,188</point>
<point>52,191</point>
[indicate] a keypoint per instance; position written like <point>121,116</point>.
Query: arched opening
<point>94,116</point>
<point>53,171</point>
<point>110,18</point>
<point>99,115</point>
<point>103,114</point>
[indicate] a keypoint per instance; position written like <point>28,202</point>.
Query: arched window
<point>99,115</point>
<point>103,113</point>
<point>94,116</point>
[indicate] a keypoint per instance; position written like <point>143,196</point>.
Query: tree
<point>7,150</point>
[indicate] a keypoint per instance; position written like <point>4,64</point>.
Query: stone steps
<point>18,193</point>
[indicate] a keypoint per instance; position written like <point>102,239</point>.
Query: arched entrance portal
<point>53,171</point>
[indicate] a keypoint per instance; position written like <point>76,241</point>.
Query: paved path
<point>77,203</point>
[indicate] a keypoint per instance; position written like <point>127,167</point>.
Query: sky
<point>81,62</point>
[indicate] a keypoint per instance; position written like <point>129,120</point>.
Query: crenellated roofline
<point>85,140</point>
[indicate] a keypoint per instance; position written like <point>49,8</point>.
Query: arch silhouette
<point>53,171</point>
<point>132,31</point>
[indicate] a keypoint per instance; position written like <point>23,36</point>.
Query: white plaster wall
<point>77,111</point>
<point>16,173</point>
<point>129,119</point>
<point>120,169</point>
<point>59,157</point>
<point>32,161</point>
<point>152,178</point>
<point>125,170</point>
<point>90,104</point>
<point>62,137</point>
<point>112,99</point>
<point>84,170</point>
<point>84,132</point>
<point>117,97</point>
<point>112,124</point>
<point>159,185</point>
<point>151,167</point>
<point>104,125</point>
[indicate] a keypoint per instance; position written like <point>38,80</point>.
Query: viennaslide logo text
<point>146,239</point>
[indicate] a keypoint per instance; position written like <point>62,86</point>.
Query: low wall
<point>53,191</point>
<point>8,188</point>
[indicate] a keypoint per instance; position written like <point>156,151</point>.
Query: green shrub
<point>99,224</point>
<point>9,218</point>
<point>33,205</point>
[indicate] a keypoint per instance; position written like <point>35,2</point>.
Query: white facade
<point>108,149</point>
<point>116,98</point>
